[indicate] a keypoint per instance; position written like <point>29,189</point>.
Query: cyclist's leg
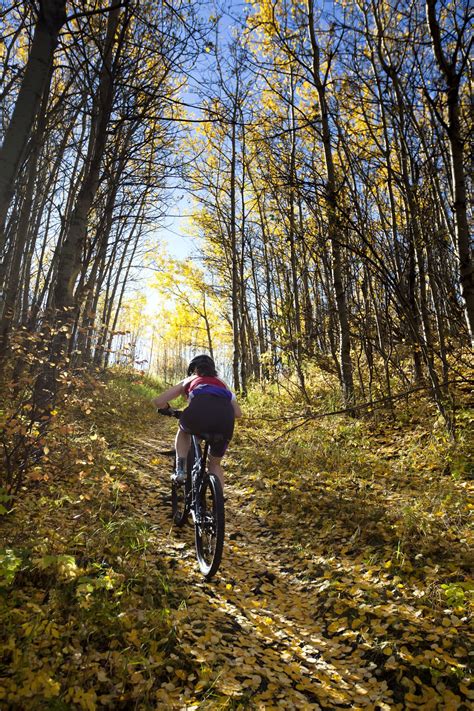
<point>217,451</point>
<point>216,468</point>
<point>182,443</point>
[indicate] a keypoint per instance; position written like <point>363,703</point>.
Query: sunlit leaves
<point>189,309</point>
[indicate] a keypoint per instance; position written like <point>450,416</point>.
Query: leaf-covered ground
<point>344,582</point>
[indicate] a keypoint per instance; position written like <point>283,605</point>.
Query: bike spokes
<point>180,495</point>
<point>178,503</point>
<point>202,495</point>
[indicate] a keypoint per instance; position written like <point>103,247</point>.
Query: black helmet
<point>203,363</point>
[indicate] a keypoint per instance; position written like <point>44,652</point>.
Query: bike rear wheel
<point>180,495</point>
<point>209,525</point>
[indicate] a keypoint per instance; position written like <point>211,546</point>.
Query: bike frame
<point>209,529</point>
<point>198,472</point>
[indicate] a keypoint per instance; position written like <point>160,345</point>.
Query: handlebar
<point>170,412</point>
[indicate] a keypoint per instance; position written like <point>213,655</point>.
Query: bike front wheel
<point>209,525</point>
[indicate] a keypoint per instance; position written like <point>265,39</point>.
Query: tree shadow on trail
<point>310,604</point>
<point>277,645</point>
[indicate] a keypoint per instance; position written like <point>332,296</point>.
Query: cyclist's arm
<point>235,404</point>
<point>170,394</point>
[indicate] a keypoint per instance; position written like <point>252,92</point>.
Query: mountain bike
<point>201,496</point>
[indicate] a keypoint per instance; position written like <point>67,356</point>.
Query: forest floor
<point>344,581</point>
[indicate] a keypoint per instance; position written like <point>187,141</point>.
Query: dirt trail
<point>253,628</point>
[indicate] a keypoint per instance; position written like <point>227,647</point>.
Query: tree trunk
<point>69,257</point>
<point>69,264</point>
<point>334,226</point>
<point>207,325</point>
<point>21,234</point>
<point>234,256</point>
<point>456,144</point>
<point>51,18</point>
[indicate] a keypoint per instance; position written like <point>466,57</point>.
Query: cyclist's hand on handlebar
<point>169,412</point>
<point>165,411</point>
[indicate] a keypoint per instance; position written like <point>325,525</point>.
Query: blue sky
<point>176,230</point>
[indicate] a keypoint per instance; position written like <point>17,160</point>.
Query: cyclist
<point>212,409</point>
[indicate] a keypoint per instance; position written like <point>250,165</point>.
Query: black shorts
<point>210,415</point>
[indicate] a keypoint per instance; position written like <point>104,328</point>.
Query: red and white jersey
<point>207,384</point>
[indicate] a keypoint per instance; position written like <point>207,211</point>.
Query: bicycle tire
<point>210,526</point>
<point>180,495</point>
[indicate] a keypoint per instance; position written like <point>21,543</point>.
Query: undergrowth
<point>405,472</point>
<point>85,597</point>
